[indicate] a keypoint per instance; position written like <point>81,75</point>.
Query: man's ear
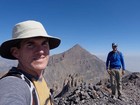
<point>14,52</point>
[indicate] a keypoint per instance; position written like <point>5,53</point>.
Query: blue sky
<point>93,24</point>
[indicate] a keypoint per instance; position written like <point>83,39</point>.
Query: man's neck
<point>35,75</point>
<point>115,50</point>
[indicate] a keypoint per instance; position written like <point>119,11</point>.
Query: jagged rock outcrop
<point>76,60</point>
<point>100,93</point>
<point>70,82</point>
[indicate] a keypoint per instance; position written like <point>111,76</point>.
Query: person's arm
<point>107,62</point>
<point>122,62</point>
<point>14,91</point>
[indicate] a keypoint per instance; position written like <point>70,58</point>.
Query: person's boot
<point>113,97</point>
<point>121,97</point>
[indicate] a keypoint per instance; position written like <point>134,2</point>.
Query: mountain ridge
<point>74,61</point>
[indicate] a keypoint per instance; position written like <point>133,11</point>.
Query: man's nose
<point>40,49</point>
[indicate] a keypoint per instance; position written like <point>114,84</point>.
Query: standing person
<point>25,84</point>
<point>116,68</point>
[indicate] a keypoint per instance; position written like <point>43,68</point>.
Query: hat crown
<point>114,44</point>
<point>27,29</point>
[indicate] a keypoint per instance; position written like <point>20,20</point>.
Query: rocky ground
<point>100,93</point>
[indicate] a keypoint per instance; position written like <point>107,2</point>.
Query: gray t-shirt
<point>14,91</point>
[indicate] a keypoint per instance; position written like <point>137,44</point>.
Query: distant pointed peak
<point>77,46</point>
<point>77,49</point>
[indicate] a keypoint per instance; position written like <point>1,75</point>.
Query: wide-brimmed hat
<point>24,30</point>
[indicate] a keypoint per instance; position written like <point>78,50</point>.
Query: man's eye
<point>45,44</point>
<point>30,45</point>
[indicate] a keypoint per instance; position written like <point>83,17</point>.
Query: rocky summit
<point>77,77</point>
<point>100,93</point>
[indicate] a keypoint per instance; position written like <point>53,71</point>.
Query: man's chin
<point>39,60</point>
<point>39,67</point>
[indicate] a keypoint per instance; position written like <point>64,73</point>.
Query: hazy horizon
<point>131,62</point>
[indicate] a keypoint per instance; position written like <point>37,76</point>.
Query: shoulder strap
<point>34,98</point>
<point>111,52</point>
<point>51,100</point>
<point>118,52</point>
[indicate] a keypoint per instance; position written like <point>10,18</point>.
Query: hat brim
<point>7,45</point>
<point>114,46</point>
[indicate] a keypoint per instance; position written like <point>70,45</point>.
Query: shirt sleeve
<point>14,91</point>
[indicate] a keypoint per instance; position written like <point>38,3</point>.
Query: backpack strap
<point>34,97</point>
<point>51,100</point>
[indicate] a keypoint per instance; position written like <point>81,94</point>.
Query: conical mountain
<point>76,62</point>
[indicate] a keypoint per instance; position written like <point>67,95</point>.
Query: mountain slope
<point>75,62</point>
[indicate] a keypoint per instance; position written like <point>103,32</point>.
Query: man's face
<point>33,54</point>
<point>114,48</point>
